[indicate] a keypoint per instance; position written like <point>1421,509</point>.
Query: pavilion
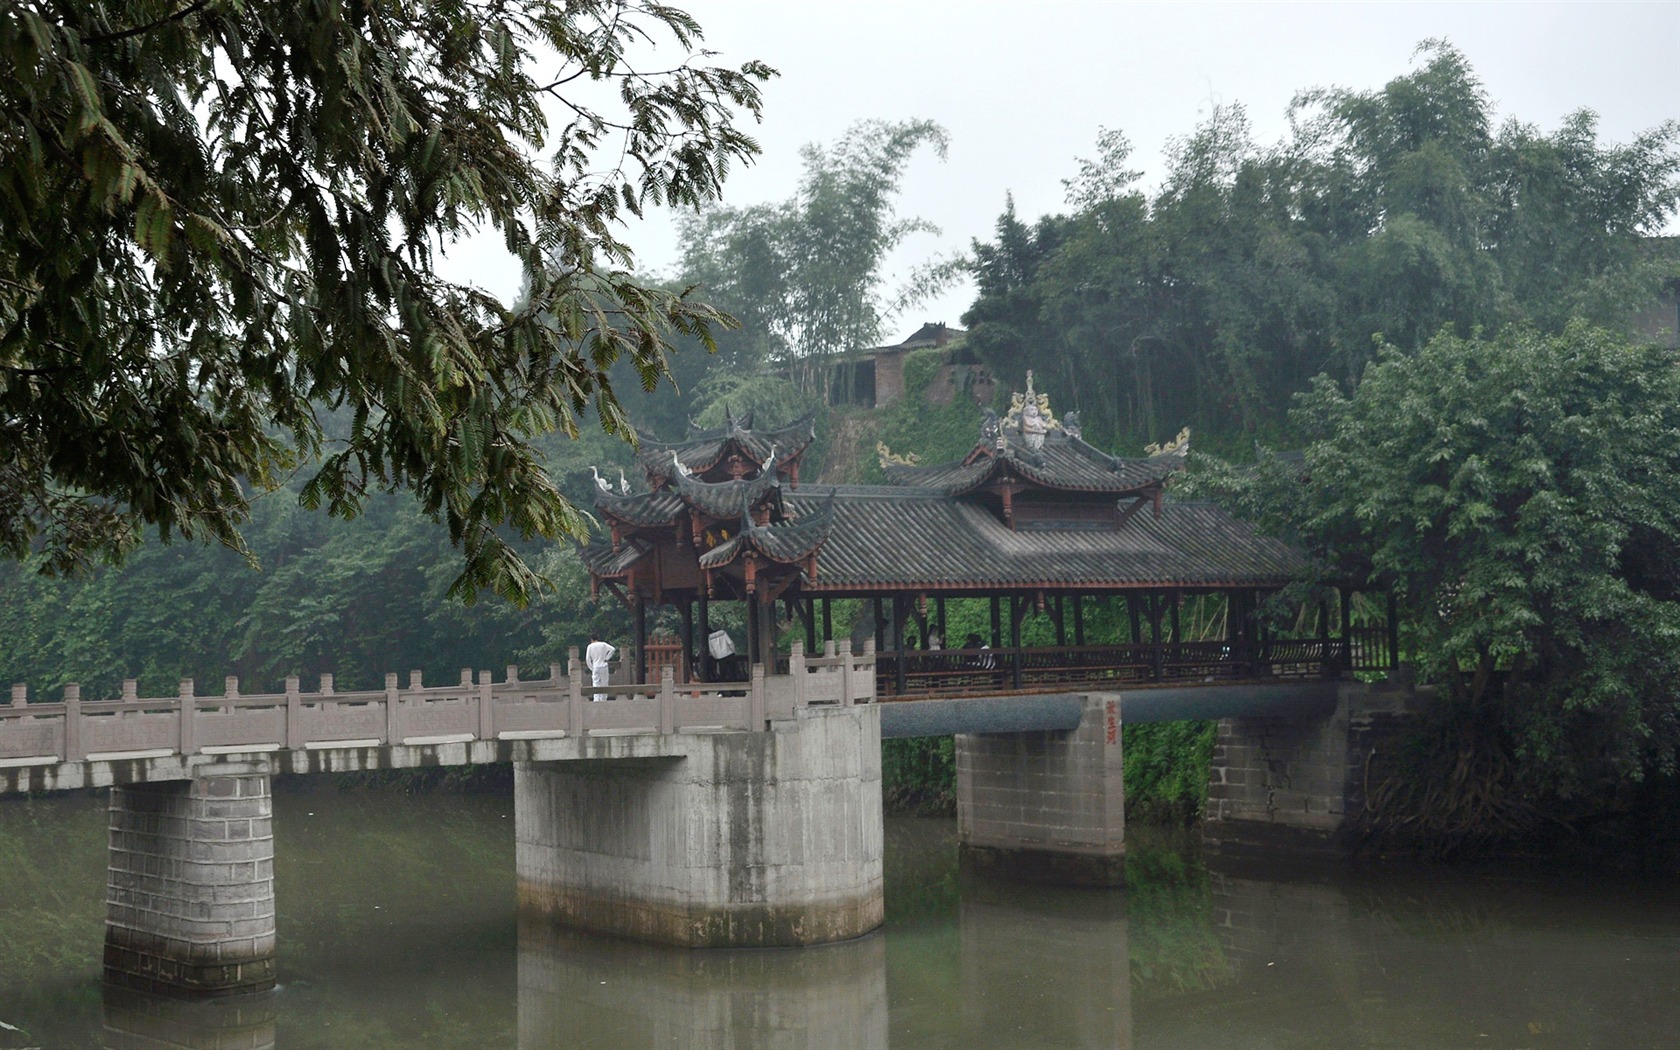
<point>1033,520</point>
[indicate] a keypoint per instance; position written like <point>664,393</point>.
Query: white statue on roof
<point>1030,416</point>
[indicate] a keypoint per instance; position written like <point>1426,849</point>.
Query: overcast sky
<point>1023,88</point>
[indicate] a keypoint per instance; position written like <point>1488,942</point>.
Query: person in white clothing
<point>597,658</point>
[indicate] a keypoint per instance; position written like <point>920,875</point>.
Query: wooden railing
<point>133,726</point>
<point>981,671</point>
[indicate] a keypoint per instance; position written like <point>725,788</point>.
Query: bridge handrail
<point>189,723</point>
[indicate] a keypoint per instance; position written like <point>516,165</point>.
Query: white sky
<point>1023,88</point>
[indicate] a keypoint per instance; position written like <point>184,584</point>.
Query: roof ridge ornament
<point>889,458</point>
<point>1029,416</point>
<point>1179,445</point>
<point>991,429</point>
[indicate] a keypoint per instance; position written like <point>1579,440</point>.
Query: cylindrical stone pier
<point>728,840</point>
<point>190,887</point>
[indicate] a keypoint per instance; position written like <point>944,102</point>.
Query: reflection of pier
<point>1004,928</point>
<point>142,1022</point>
<point>1426,957</point>
<point>580,990</point>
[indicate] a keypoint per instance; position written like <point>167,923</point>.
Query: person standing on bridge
<point>598,658</point>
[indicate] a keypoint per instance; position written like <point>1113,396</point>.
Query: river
<point>397,928</point>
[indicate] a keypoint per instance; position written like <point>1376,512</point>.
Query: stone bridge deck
<point>74,743</point>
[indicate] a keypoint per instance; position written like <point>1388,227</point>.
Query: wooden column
<point>1393,630</point>
<point>880,626</point>
<point>810,607</point>
<point>1079,619</point>
<point>687,608</point>
<point>1347,629</point>
<point>1014,642</point>
<point>639,608</point>
<point>939,613</point>
<point>900,608</point>
<point>828,621</point>
<point>997,624</point>
<point>1061,623</point>
<point>707,671</point>
<point>1173,599</point>
<point>1156,670</point>
<point>1132,617</point>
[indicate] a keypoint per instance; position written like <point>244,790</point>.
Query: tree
<point>1385,216</point>
<point>804,276</point>
<point>219,219</point>
<point>1517,493</point>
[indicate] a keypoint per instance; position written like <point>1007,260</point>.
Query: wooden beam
<point>616,591</point>
<point>1126,515</point>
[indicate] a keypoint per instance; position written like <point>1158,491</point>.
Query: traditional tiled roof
<point>605,562</point>
<point>703,450</point>
<point>890,538</point>
<point>1064,463</point>
<point>937,529</point>
<point>649,509</point>
<point>730,499</point>
<point>787,542</point>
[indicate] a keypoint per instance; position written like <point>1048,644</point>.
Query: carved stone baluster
<point>189,743</point>
<point>73,723</point>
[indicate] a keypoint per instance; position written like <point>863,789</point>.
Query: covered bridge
<point>1033,521</point>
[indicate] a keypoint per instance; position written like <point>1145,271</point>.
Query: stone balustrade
<point>475,709</point>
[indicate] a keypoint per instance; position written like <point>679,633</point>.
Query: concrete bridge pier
<point>710,840</point>
<point>1047,805</point>
<point>190,886</point>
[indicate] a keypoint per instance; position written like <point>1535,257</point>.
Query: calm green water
<point>398,929</point>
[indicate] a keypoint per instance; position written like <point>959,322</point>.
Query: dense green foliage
<point>1518,493</point>
<point>218,219</point>
<point>356,599</point>
<point>804,276</point>
<point>1212,300</point>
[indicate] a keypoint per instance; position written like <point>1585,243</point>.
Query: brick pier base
<point>1046,806</point>
<point>1298,785</point>
<point>190,887</point>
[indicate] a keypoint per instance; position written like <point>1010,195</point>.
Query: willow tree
<point>218,219</point>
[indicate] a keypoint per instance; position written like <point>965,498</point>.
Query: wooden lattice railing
<point>978,671</point>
